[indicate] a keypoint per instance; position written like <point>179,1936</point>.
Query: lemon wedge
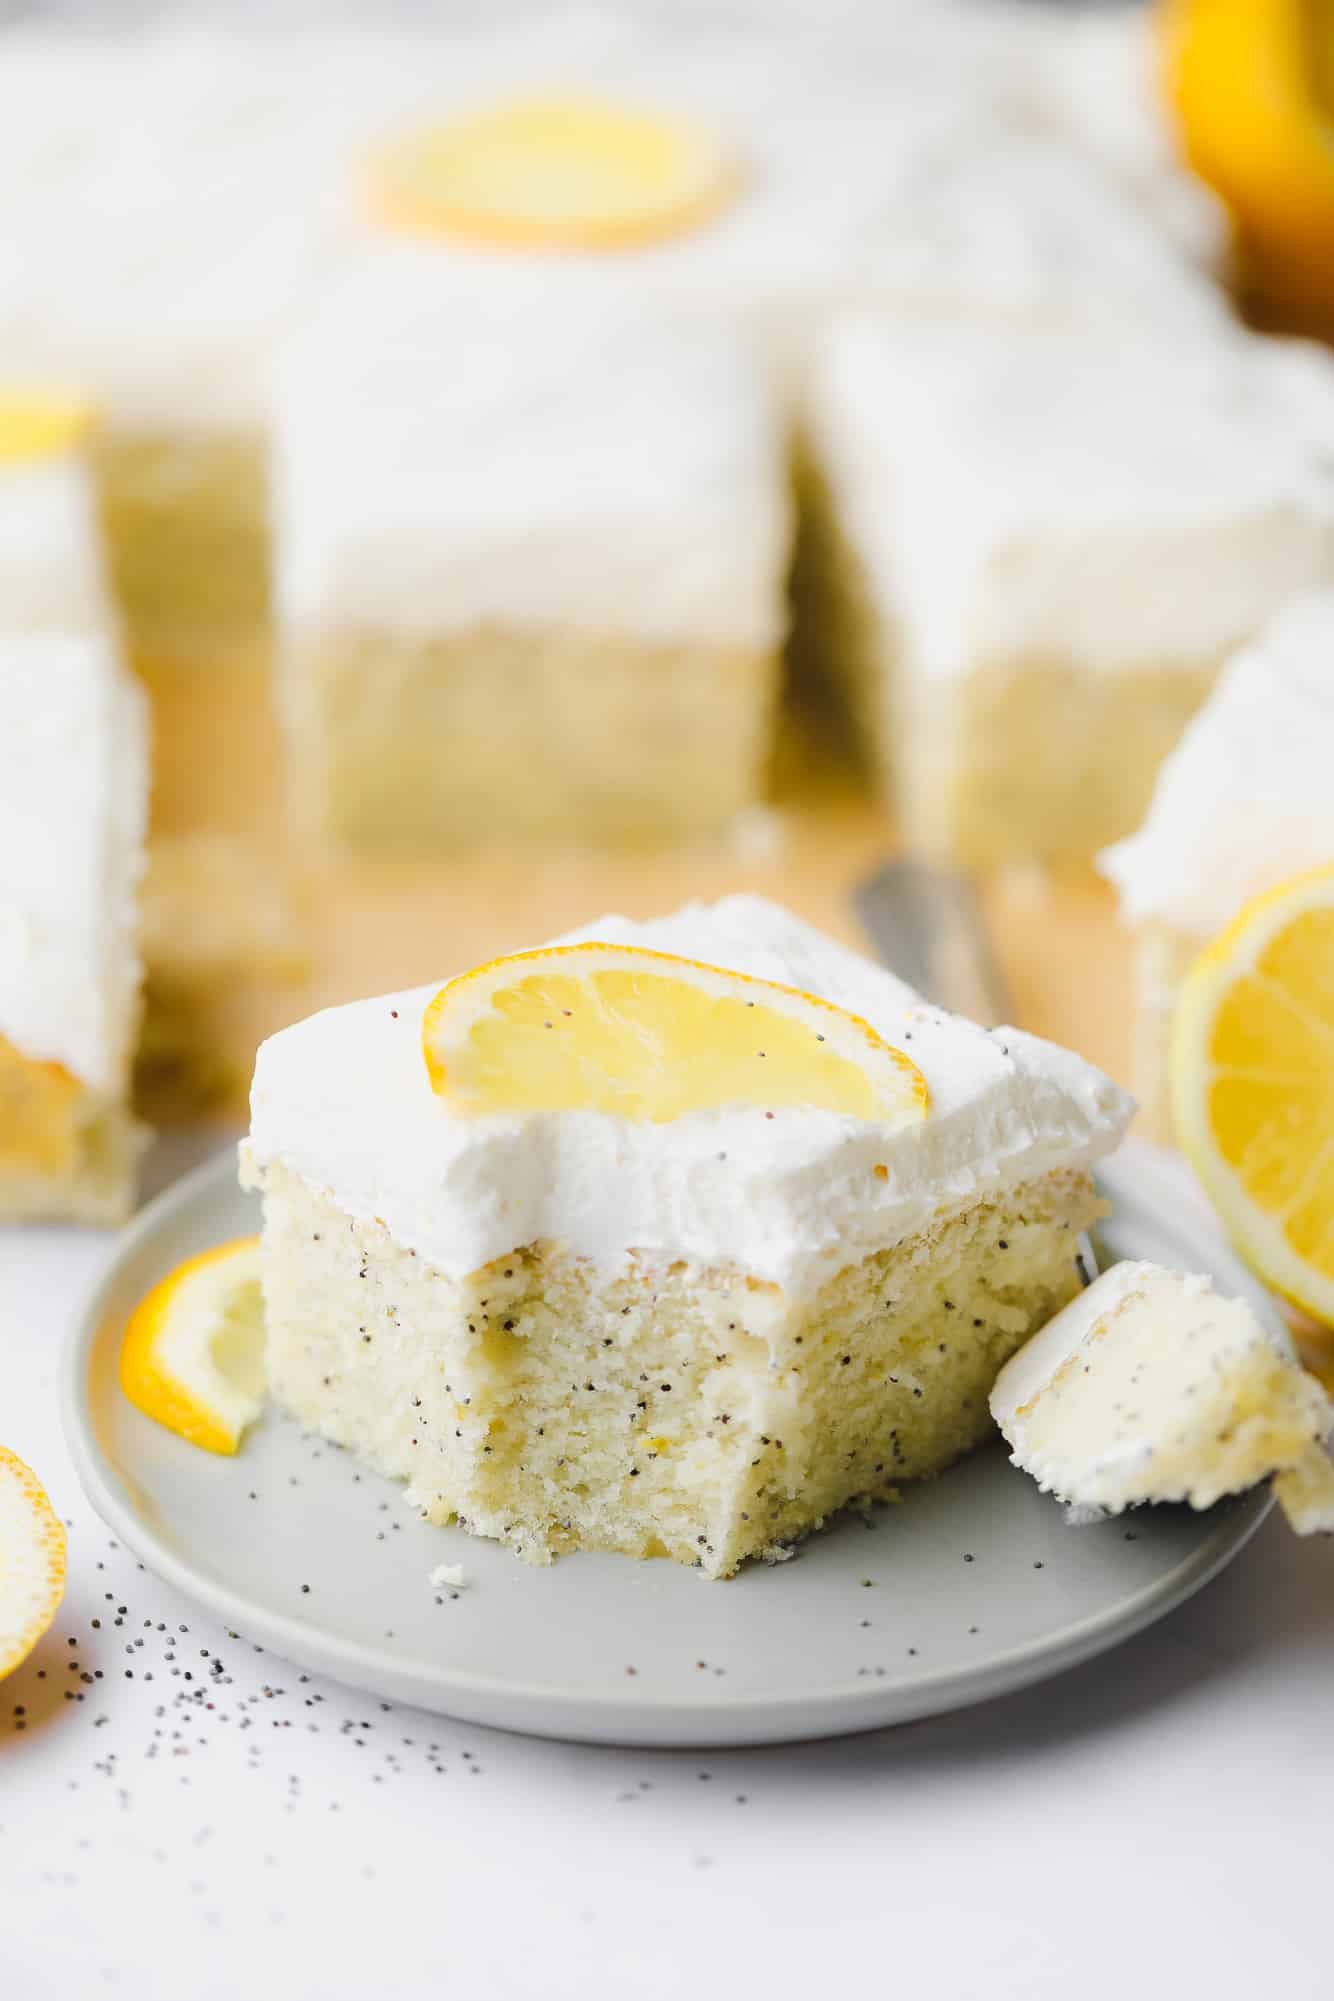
<point>552,173</point>
<point>35,425</point>
<point>32,1562</point>
<point>1252,83</point>
<point>648,1036</point>
<point>193,1353</point>
<point>1253,1085</point>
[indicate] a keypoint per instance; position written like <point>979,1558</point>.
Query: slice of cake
<point>532,544</point>
<point>73,802</point>
<point>1243,802</point>
<point>1044,544</point>
<point>161,255</point>
<point>1152,1387</point>
<point>148,271</point>
<point>73,797</point>
<point>600,1248</point>
<point>173,192</point>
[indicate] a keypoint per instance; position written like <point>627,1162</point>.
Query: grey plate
<point>973,1586</point>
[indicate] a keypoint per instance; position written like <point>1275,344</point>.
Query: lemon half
<point>1253,1085</point>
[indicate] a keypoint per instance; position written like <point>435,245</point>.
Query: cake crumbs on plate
<point>451,1574</point>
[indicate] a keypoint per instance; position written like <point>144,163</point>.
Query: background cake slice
<point>73,795</point>
<point>73,805</point>
<point>1244,801</point>
<point>151,263</point>
<point>1046,543</point>
<point>695,1336</point>
<point>532,545</point>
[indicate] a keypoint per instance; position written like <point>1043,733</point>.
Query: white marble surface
<point>181,1815</point>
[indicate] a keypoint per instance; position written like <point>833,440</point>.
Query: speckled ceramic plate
<point>973,1586</point>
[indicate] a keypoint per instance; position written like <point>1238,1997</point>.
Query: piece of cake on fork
<point>73,803</point>
<point>1152,1387</point>
<point>673,1238</point>
<point>1044,544</point>
<point>1244,801</point>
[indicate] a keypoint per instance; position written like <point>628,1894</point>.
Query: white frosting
<point>172,196</point>
<point>73,805</point>
<point>1091,78</point>
<point>1247,797</point>
<point>1123,503</point>
<point>1018,226</point>
<point>343,1100</point>
<point>535,450</point>
<point>173,200</point>
<point>138,255</point>
<point>50,556</point>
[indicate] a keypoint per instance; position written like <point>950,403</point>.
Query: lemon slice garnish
<point>1253,1085</point>
<point>644,1035</point>
<point>32,1562</point>
<point>552,173</point>
<point>36,425</point>
<point>193,1354</point>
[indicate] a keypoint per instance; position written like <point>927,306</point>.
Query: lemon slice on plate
<point>32,1562</point>
<point>648,1036</point>
<point>193,1353</point>
<point>1253,1085</point>
<point>552,173</point>
<point>38,424</point>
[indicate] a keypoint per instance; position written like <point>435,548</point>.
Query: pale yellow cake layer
<point>1019,760</point>
<point>65,1151</point>
<point>664,1410</point>
<point>1035,759</point>
<point>185,521</point>
<point>503,737</point>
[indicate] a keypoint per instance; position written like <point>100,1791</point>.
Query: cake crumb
<point>452,1574</point>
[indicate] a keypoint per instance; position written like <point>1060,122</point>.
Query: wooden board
<point>371,925</point>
